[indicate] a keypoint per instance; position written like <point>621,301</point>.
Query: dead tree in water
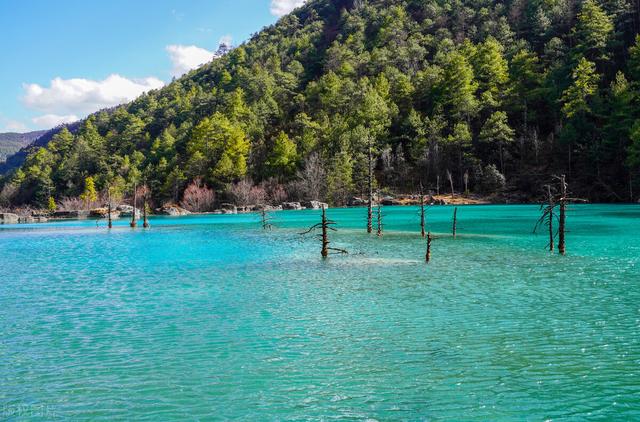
<point>548,214</point>
<point>134,223</point>
<point>325,225</point>
<point>370,186</point>
<point>422,215</point>
<point>547,217</point>
<point>265,219</point>
<point>562,247</point>
<point>145,221</point>
<point>110,222</point>
<point>454,228</point>
<point>430,239</point>
<point>380,225</point>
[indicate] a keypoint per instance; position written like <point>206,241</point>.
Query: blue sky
<point>64,59</point>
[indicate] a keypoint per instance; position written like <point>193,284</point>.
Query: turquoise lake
<point>212,318</point>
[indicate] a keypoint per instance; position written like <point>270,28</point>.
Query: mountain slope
<point>17,158</point>
<point>482,90</point>
<point>10,143</point>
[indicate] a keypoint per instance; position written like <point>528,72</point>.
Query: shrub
<point>246,193</point>
<point>198,197</point>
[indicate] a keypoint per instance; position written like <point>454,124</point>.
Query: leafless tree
<point>312,178</point>
<point>198,197</point>
<point>246,193</point>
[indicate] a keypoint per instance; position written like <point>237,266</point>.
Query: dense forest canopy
<point>486,91</point>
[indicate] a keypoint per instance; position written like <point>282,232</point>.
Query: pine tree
<point>89,194</point>
<point>593,31</point>
<point>496,130</point>
<point>585,85</point>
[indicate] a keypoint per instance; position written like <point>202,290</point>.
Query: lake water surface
<point>209,317</point>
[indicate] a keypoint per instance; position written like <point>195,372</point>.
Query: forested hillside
<point>11,142</point>
<point>487,91</point>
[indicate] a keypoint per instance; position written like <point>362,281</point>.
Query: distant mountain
<point>26,142</point>
<point>11,142</point>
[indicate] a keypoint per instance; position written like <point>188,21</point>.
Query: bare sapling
<point>325,225</point>
<point>454,227</point>
<point>110,221</point>
<point>370,187</point>
<point>379,217</point>
<point>134,222</point>
<point>561,200</point>
<point>145,220</point>
<point>265,219</point>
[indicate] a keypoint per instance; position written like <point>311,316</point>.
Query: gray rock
<point>104,213</point>
<point>31,219</point>
<point>229,208</point>
<point>127,211</point>
<point>71,214</point>
<point>267,208</point>
<point>172,210</point>
<point>246,208</point>
<point>291,206</point>
<point>389,200</point>
<point>357,202</point>
<point>315,205</point>
<point>9,218</point>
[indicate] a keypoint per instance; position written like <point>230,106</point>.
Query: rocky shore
<point>174,210</point>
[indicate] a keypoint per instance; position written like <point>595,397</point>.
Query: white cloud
<point>226,40</point>
<point>83,96</point>
<point>187,57</point>
<point>49,121</point>
<point>282,7</point>
<point>14,126</point>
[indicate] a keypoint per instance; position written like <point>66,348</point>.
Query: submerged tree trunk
<point>370,186</point>
<point>422,222</point>
<point>455,221</point>
<point>110,222</point>
<point>134,223</point>
<point>563,216</point>
<point>145,221</point>
<point>325,240</point>
<point>379,219</point>
<point>428,255</point>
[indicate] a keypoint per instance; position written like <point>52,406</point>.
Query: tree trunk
<point>563,216</point>
<point>110,224</point>
<point>428,255</point>
<point>379,219</point>
<point>133,223</point>
<point>422,215</point>
<point>145,221</point>
<point>455,221</point>
<point>370,205</point>
<point>325,240</point>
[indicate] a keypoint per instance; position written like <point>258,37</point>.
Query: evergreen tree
<point>496,131</point>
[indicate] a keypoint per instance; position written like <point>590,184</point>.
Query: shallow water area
<point>210,317</point>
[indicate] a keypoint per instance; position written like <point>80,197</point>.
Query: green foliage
<point>281,160</point>
<point>593,31</point>
<point>89,194</point>
<point>428,86</point>
<point>51,205</point>
<point>585,84</point>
